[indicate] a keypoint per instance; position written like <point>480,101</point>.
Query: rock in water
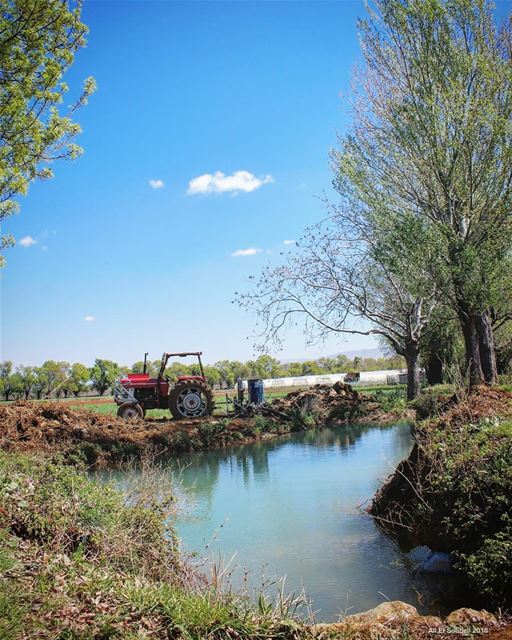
<point>438,563</point>
<point>465,616</point>
<point>419,555</point>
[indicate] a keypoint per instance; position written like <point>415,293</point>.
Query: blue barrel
<point>255,388</point>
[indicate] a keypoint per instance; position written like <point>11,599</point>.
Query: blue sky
<point>185,90</point>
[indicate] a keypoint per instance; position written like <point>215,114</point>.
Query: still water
<point>292,507</point>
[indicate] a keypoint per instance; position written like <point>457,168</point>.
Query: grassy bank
<point>454,493</point>
<point>77,563</point>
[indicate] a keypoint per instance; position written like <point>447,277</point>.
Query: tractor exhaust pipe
<point>145,362</point>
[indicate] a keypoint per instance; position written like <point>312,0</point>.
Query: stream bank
<point>454,492</point>
<point>79,564</point>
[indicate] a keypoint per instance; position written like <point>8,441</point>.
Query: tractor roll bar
<point>182,354</point>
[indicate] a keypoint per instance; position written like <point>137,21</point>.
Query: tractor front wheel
<point>130,411</point>
<point>191,399</point>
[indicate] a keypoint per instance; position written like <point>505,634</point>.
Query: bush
<point>426,405</point>
<point>455,494</point>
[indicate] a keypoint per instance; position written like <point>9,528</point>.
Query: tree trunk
<point>413,371</point>
<point>472,346</point>
<point>434,369</point>
<point>487,348</point>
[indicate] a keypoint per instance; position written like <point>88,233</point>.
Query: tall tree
<point>55,374</point>
<point>27,379</point>
<point>78,380</point>
<point>38,41</point>
<point>345,278</point>
<point>104,374</point>
<point>5,372</point>
<point>432,140</point>
<point>40,382</point>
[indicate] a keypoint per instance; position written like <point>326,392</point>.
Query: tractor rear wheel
<point>191,399</point>
<point>130,411</point>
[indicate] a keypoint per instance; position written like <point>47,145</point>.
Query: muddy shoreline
<point>99,440</point>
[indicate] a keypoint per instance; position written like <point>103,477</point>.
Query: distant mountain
<point>375,352</point>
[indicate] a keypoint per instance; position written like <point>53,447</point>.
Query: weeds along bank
<point>76,563</point>
<point>454,492</point>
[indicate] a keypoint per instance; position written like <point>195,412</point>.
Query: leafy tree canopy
<point>38,41</point>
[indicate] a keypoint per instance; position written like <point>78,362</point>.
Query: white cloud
<point>156,184</point>
<point>220,183</point>
<point>89,319</point>
<point>252,251</point>
<point>289,241</point>
<point>27,241</point>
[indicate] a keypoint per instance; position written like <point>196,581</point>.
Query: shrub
<point>455,494</point>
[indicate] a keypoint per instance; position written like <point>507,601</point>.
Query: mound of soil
<point>52,428</point>
<point>339,401</point>
<point>25,424</point>
<point>482,402</point>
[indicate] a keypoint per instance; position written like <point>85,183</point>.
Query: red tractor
<point>189,397</point>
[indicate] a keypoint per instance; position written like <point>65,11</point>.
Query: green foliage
<point>427,404</point>
<point>104,374</point>
<point>78,379</point>
<point>262,424</point>
<point>393,400</point>
<point>47,502</point>
<point>209,431</point>
<point>52,376</point>
<point>37,45</point>
<point>455,494</point>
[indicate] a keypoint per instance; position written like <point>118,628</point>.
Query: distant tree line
<point>63,380</point>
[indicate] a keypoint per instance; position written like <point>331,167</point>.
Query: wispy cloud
<point>156,184</point>
<point>289,241</point>
<point>218,182</point>
<point>27,241</point>
<point>89,319</point>
<point>252,251</point>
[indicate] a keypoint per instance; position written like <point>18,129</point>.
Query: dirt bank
<point>51,428</point>
<point>454,492</point>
